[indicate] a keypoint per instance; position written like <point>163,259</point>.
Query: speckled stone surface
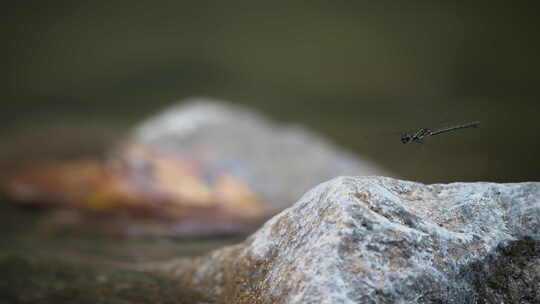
<point>381,240</point>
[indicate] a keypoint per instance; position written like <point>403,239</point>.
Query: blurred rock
<point>199,167</point>
<point>278,162</point>
<point>381,240</point>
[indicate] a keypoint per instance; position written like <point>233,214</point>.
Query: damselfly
<point>419,136</point>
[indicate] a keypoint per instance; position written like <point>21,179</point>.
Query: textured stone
<point>381,240</point>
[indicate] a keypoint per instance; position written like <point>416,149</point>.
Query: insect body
<point>419,136</point>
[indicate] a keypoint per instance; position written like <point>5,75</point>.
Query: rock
<point>278,162</point>
<point>381,240</point>
<point>199,167</point>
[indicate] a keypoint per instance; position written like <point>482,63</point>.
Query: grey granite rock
<point>381,240</point>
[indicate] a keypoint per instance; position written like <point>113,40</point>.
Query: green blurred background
<point>78,75</point>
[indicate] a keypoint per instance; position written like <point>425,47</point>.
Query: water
<point>82,265</point>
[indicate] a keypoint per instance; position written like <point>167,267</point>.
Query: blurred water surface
<point>352,71</point>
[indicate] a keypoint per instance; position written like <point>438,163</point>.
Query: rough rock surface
<point>381,240</point>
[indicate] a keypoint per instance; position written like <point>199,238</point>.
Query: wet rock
<point>199,167</point>
<point>381,240</point>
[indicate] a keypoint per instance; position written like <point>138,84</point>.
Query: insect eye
<point>405,138</point>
